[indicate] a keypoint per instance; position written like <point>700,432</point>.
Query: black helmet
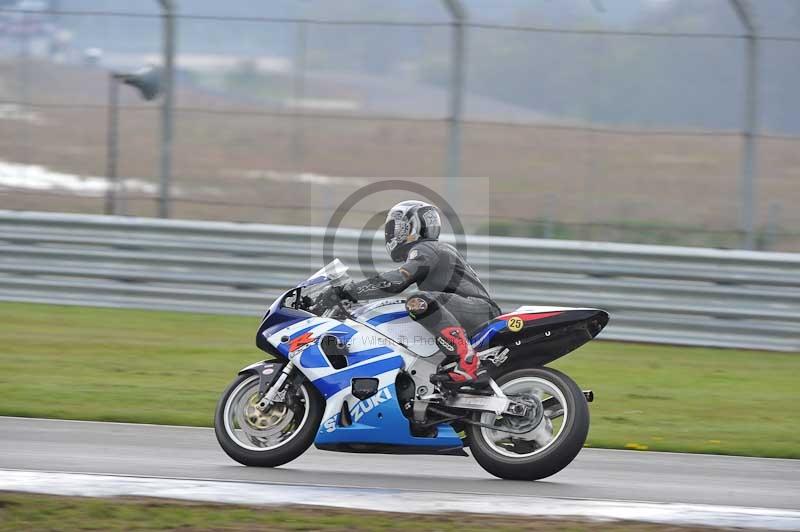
<point>408,222</point>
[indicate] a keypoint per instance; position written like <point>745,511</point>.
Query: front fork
<point>272,377</point>
<point>270,388</point>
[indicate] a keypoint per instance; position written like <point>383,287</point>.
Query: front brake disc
<point>261,424</point>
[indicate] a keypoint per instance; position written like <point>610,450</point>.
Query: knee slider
<point>420,305</point>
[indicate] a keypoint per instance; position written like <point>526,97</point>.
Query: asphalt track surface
<point>193,453</point>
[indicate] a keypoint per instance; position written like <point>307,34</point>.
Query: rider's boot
<point>462,365</point>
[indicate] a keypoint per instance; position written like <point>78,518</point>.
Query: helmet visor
<point>388,231</point>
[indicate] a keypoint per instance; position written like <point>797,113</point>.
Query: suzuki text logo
<point>358,411</point>
<point>366,405</point>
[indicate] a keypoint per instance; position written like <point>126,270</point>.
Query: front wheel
<point>549,446</point>
<point>272,437</point>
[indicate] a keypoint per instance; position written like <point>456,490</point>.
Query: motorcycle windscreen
<point>335,272</point>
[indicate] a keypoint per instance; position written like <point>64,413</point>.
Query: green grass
<point>169,368</point>
<point>39,512</point>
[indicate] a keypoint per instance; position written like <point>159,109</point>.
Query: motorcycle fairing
<point>341,380</point>
<point>277,318</point>
<point>300,343</point>
<point>378,420</point>
<point>375,420</point>
<point>390,318</point>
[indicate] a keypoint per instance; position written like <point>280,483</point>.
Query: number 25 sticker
<point>514,324</point>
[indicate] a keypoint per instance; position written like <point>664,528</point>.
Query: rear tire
<point>296,438</point>
<point>534,461</point>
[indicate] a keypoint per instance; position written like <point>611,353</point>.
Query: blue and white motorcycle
<point>356,378</point>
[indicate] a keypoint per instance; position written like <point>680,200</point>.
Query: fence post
<point>112,144</point>
<point>298,96</point>
<point>458,53</point>
<point>168,14</point>
<point>749,162</point>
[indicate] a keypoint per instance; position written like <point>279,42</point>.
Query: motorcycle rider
<point>450,299</point>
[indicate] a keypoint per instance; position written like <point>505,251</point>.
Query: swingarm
<point>498,403</point>
<point>528,410</point>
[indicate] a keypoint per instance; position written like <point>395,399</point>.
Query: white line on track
<point>393,500</point>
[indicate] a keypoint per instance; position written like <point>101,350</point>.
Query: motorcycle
<point>355,377</point>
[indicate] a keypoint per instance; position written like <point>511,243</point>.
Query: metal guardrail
<point>688,296</point>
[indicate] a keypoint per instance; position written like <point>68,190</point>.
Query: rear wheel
<point>551,444</point>
<point>270,438</point>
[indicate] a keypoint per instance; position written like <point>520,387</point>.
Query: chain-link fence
<point>594,125</point>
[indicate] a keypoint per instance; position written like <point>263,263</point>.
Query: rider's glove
<point>348,292</point>
<point>333,295</point>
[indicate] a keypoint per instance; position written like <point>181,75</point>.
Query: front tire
<point>551,445</point>
<point>272,438</point>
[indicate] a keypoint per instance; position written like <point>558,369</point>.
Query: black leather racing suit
<point>449,294</point>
